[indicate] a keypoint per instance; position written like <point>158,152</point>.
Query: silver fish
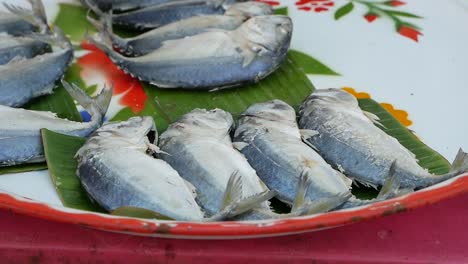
<point>269,137</point>
<point>199,147</point>
<point>117,168</point>
<point>21,21</point>
<point>11,47</point>
<point>23,79</point>
<point>166,13</point>
<point>123,5</point>
<point>20,138</point>
<point>349,140</point>
<point>212,60</point>
<point>149,41</point>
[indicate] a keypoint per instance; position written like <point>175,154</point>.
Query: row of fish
<point>32,55</point>
<point>32,58</point>
<point>206,52</point>
<point>198,172</point>
<point>197,49</point>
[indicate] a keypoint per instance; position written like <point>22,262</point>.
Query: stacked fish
<point>33,57</point>
<point>202,172</point>
<point>194,44</point>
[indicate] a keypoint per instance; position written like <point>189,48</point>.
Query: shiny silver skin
<point>21,21</point>
<point>20,138</point>
<point>23,47</point>
<point>199,147</point>
<point>151,40</point>
<point>269,137</point>
<point>24,79</point>
<point>162,14</point>
<point>212,60</point>
<point>351,142</point>
<point>117,169</point>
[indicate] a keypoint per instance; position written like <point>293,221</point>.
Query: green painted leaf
<point>428,158</point>
<point>139,212</point>
<point>344,10</point>
<point>281,11</point>
<point>60,151</point>
<point>400,13</point>
<point>310,65</point>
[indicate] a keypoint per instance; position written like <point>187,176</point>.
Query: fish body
<point>163,14</point>
<point>268,136</point>
<point>116,170</point>
<point>11,47</point>
<point>21,21</point>
<point>14,25</point>
<point>23,79</point>
<point>152,40</point>
<point>20,138</point>
<point>122,5</point>
<point>199,147</point>
<point>212,60</point>
<point>350,141</point>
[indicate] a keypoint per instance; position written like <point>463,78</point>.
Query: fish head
<point>268,34</point>
<point>135,130</point>
<point>334,97</point>
<point>274,110</point>
<point>249,9</point>
<point>205,122</point>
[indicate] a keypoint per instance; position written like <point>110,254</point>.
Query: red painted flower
<point>409,32</point>
<point>96,64</point>
<point>395,3</point>
<point>316,5</point>
<point>370,17</point>
<point>272,3</point>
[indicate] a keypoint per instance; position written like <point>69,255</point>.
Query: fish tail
<point>303,206</point>
<point>234,205</point>
<point>460,164</point>
<point>93,6</point>
<point>97,107</point>
<point>104,43</point>
<point>36,16</point>
<point>391,185</point>
<point>56,37</point>
<point>104,26</point>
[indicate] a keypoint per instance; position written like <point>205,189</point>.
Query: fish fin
<point>460,164</point>
<point>345,179</point>
<point>234,204</point>
<point>391,184</point>
<point>239,145</point>
<point>306,134</point>
<point>104,43</point>
<point>97,107</point>
<point>192,188</point>
<point>373,118</point>
<point>16,59</point>
<point>233,191</point>
<point>94,7</point>
<point>56,37</point>
<point>321,205</point>
<point>36,16</point>
<point>301,190</point>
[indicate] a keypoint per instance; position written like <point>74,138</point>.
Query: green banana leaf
<point>61,103</point>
